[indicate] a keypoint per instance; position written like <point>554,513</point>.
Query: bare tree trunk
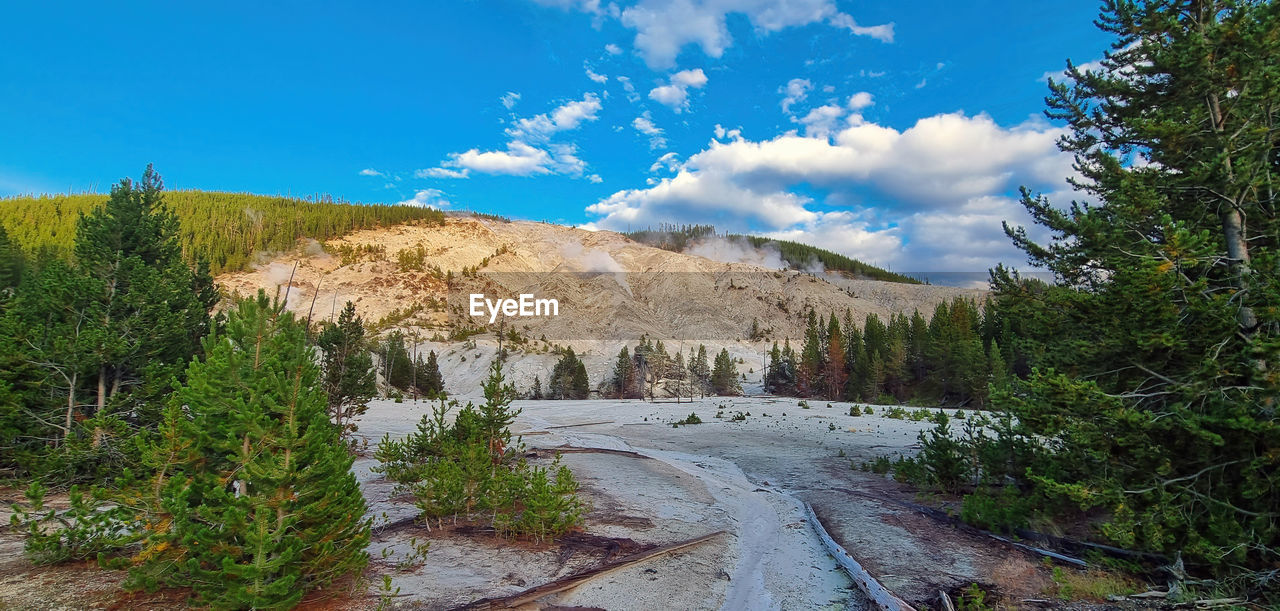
<point>1233,234</point>
<point>71,405</point>
<point>102,388</point>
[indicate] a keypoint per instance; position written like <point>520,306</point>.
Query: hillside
<point>611,291</point>
<point>783,254</point>
<point>229,230</point>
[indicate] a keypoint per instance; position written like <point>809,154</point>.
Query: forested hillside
<point>678,238</point>
<point>226,229</point>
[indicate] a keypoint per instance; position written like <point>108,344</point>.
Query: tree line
<point>226,230</point>
<point>950,359</point>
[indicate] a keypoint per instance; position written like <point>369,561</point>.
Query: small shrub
<point>1092,584</point>
<point>831,426</point>
<point>878,465</point>
<point>855,411</point>
<point>692,418</point>
<point>803,404</point>
<point>738,417</point>
<point>868,410</point>
<point>1003,512</point>
<point>974,598</point>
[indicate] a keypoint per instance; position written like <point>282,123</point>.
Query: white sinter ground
<point>748,478</point>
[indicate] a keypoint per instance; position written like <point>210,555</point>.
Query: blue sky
<point>893,132</point>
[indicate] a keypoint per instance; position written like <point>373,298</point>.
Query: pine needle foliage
<point>469,469</point>
<point>257,503</point>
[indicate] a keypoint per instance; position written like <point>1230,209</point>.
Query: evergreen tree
<point>12,263</point>
<point>427,374</point>
<point>349,379</point>
<point>397,367</point>
<point>811,359</point>
<point>569,378</point>
<point>536,393</point>
<point>152,309</point>
<point>1153,396</point>
<point>724,375</point>
<point>834,373</point>
<point>624,376</point>
<point>700,371</point>
<point>262,506</point>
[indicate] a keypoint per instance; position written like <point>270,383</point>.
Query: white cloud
<point>928,197</point>
<point>440,173</point>
<point>722,133</point>
<point>519,159</point>
<point>595,178</point>
<point>860,100</point>
<point>644,124</point>
<point>599,78</point>
<point>664,27</point>
<point>428,198</point>
<point>587,6</point>
<point>565,117</point>
<point>629,87</point>
<point>676,92</point>
<point>509,100</point>
<point>883,33</point>
<point>669,161</point>
<point>612,49</point>
<point>821,121</point>
<point>371,172</point>
<point>795,91</point>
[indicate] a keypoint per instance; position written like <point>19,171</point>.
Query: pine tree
<point>264,506</point>
<point>811,359</point>
<point>536,393</point>
<point>569,378</point>
<point>397,366</point>
<point>1155,353</point>
<point>427,374</point>
<point>349,378</point>
<point>724,375</point>
<point>700,371</point>
<point>834,376</point>
<point>12,263</point>
<point>152,308</point>
<point>624,375</point>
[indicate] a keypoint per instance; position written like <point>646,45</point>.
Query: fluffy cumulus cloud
<point>665,27</point>
<point>519,159</point>
<point>530,150</point>
<point>930,197</point>
<point>428,198</point>
<point>675,93</point>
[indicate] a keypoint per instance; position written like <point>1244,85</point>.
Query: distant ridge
<point>679,238</point>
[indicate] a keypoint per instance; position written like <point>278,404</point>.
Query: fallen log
<point>569,426</point>
<point>573,581</point>
<point>578,450</point>
<point>880,595</point>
